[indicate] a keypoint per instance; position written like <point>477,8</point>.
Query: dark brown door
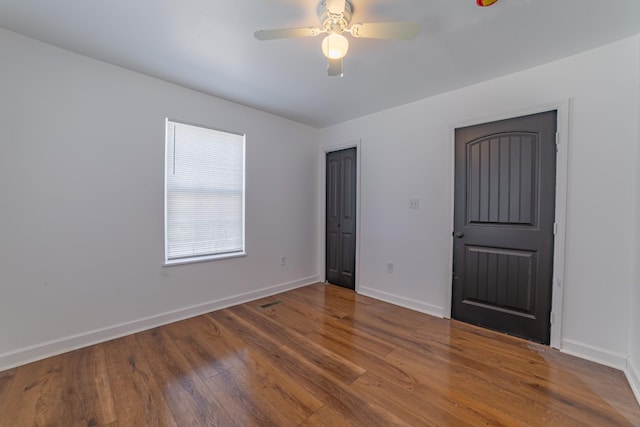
<point>504,225</point>
<point>341,218</point>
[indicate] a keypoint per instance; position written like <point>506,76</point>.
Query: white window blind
<point>204,193</point>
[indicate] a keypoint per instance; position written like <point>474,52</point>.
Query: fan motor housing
<point>335,22</point>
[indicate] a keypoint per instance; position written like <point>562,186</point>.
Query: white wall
<point>406,153</point>
<point>81,190</point>
<point>633,366</point>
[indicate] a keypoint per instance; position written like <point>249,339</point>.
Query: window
<point>204,194</point>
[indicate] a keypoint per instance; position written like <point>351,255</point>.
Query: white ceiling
<point>209,46</point>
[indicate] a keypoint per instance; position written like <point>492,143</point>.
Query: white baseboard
<point>594,354</point>
<point>33,353</point>
<point>403,302</point>
<point>633,376</point>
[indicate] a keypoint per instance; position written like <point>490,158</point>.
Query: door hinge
<point>555,228</point>
<point>557,140</point>
<point>551,318</point>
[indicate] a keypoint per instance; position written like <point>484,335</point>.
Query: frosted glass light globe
<point>335,46</point>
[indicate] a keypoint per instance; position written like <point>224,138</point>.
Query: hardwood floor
<point>320,356</point>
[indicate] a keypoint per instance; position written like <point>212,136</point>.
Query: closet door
<point>341,217</point>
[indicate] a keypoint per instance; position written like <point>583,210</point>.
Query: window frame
<point>202,257</point>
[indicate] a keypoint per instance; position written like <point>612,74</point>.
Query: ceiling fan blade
<point>285,33</point>
<point>386,30</point>
<point>336,6</point>
<point>335,67</point>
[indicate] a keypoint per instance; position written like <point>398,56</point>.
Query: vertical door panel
<point>347,185</point>
<point>347,252</point>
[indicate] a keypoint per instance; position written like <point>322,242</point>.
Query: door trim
<point>562,160</point>
<point>322,203</point>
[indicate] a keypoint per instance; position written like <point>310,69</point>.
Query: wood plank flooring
<point>321,356</point>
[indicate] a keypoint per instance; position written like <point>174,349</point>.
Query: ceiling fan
<point>335,17</point>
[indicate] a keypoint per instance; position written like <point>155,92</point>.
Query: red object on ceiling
<point>484,3</point>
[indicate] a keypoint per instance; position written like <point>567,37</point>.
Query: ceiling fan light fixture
<point>335,20</point>
<point>335,46</point>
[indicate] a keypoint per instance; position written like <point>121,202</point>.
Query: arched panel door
<point>504,225</point>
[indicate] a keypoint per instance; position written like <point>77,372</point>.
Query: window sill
<point>169,263</point>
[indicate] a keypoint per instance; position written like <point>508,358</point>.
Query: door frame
<point>562,161</point>
<point>322,203</point>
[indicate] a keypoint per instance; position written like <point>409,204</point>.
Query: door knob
<point>459,234</point>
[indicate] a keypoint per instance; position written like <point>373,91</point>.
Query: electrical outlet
<point>414,203</point>
<point>389,267</point>
<point>283,261</point>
